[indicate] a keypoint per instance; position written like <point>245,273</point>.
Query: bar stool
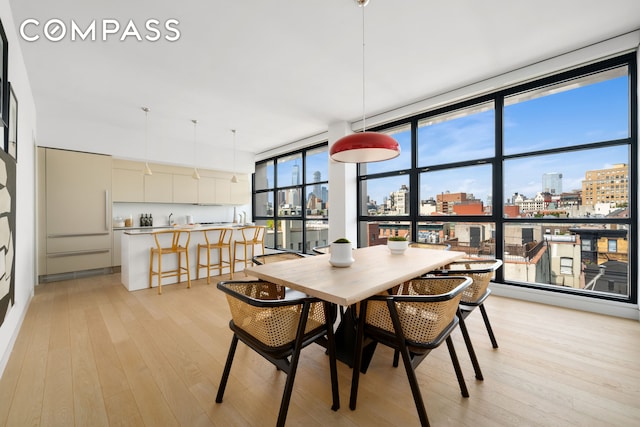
<point>217,239</point>
<point>252,237</point>
<point>178,248</point>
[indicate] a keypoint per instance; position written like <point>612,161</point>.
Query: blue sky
<point>564,119</point>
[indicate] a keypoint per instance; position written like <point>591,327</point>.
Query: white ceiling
<point>279,71</point>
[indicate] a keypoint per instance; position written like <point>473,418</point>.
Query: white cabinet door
<point>207,190</point>
<point>158,188</point>
<point>223,190</point>
<point>185,189</point>
<point>128,185</point>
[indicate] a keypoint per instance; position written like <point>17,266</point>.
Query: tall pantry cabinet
<point>76,204</point>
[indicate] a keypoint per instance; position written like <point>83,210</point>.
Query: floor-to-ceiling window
<point>290,195</point>
<point>539,175</point>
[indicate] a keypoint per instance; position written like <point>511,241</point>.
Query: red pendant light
<point>364,147</point>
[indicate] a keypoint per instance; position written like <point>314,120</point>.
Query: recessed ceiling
<point>279,71</point>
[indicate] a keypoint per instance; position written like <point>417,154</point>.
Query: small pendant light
<point>147,169</point>
<point>234,179</point>
<point>195,175</point>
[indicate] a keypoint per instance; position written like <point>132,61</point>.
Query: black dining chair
<point>278,323</point>
<point>415,321</point>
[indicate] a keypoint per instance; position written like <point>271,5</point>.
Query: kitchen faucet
<point>170,215</point>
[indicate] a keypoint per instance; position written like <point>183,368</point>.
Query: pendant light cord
<point>364,122</point>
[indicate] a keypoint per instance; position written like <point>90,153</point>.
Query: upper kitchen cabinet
<point>127,181</point>
<point>240,192</point>
<point>185,189</point>
<point>158,187</point>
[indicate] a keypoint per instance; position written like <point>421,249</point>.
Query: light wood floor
<point>90,354</point>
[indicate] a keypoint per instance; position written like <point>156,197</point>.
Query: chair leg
<point>492,337</point>
<point>232,261</point>
<point>198,264</point>
<point>456,367</point>
<point>467,341</point>
<point>159,273</point>
<point>219,250</point>
<point>186,256</point>
<point>227,369</point>
<point>293,366</point>
<point>150,268</point>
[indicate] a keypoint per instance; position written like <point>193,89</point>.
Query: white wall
<point>25,190</point>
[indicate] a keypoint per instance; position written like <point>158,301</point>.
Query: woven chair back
<point>421,321</point>
<point>265,315</point>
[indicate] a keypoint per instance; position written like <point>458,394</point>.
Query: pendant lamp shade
<point>365,147</point>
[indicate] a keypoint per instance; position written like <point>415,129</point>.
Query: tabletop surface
<point>375,269</point>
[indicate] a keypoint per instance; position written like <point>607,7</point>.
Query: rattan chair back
<point>480,271</point>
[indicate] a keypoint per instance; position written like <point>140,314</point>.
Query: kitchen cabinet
<point>185,189</point>
<point>241,191</point>
<point>223,190</point>
<point>127,185</point>
<point>158,188</point>
<point>207,190</point>
<point>77,210</point>
<point>117,248</point>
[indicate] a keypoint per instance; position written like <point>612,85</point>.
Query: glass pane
<point>263,203</point>
<point>459,191</point>
<point>375,233</point>
<point>589,109</point>
<point>290,235</point>
<point>264,175</point>
<point>269,235</point>
<point>580,184</point>
<point>457,136</point>
<point>317,165</point>
<point>402,134</point>
<point>290,170</point>
<point>476,239</point>
<point>317,234</point>
<point>289,202</point>
<point>534,254</point>
<point>385,196</point>
<point>317,197</point>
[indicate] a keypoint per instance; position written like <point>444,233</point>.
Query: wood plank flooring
<point>90,353</point>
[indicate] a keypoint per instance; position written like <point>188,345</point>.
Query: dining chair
<point>251,238</point>
<point>219,241</point>
<point>321,250</point>
<point>276,257</point>
<point>481,272</point>
<point>414,322</point>
<point>278,323</point>
<point>179,246</point>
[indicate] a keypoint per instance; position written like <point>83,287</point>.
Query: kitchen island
<point>136,244</point>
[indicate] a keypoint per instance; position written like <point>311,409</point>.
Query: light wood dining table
<point>374,270</point>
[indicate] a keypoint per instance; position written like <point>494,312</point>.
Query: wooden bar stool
<point>252,237</point>
<point>179,245</point>
<point>217,239</point>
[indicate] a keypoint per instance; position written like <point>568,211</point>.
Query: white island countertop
<point>137,241</point>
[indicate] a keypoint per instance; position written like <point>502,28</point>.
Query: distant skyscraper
<point>316,188</point>
<point>552,183</point>
<point>295,175</point>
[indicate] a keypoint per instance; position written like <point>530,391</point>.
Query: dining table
<point>375,269</point>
